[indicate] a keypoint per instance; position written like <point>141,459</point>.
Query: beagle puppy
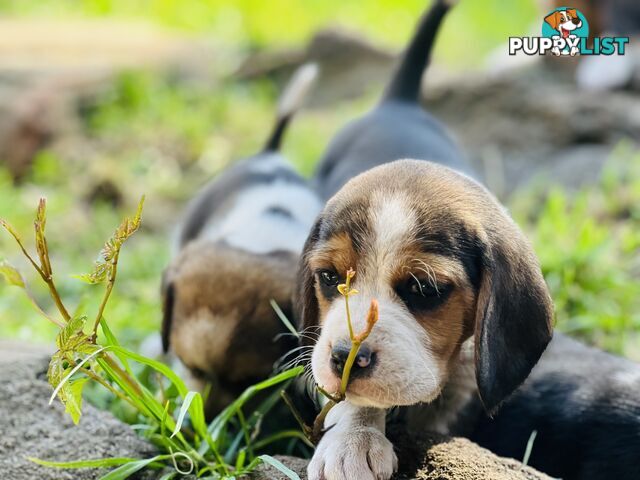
<point>239,245</point>
<point>464,311</point>
<point>565,22</point>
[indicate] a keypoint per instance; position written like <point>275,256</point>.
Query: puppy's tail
<point>290,102</point>
<point>405,84</point>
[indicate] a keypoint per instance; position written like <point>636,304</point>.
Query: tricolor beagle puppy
<point>239,246</point>
<point>565,22</point>
<point>465,313</point>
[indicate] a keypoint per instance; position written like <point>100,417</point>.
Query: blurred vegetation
<point>163,138</point>
<point>254,23</point>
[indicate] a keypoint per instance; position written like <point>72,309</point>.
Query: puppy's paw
<point>362,453</point>
<point>574,51</point>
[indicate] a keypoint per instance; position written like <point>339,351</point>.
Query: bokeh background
<point>102,101</point>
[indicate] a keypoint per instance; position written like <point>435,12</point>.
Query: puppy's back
<point>398,127</point>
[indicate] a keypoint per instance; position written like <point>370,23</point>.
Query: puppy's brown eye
<point>423,288</point>
<point>422,294</point>
<point>329,278</point>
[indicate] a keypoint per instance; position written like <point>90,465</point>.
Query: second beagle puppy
<point>239,247</point>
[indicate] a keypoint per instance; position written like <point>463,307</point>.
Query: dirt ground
<point>32,428</point>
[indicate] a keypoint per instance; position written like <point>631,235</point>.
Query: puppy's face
<point>217,313</point>
<point>444,261</point>
<point>564,21</point>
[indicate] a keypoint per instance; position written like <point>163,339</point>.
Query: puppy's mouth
<point>564,32</point>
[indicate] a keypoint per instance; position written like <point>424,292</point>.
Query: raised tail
<point>405,84</point>
<point>290,102</point>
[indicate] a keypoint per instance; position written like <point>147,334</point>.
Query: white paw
<point>361,453</point>
<point>574,51</point>
<point>555,51</point>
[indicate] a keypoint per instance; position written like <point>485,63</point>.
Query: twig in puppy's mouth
<point>315,432</point>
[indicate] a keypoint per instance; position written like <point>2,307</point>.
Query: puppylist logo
<point>565,31</point>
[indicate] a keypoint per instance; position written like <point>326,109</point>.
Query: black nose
<point>575,21</point>
<point>362,365</point>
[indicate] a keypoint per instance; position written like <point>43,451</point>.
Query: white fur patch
<point>355,447</point>
<point>392,220</point>
<point>252,225</point>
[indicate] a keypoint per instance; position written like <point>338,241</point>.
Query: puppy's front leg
<point>354,447</point>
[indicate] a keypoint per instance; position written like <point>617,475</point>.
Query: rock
<point>445,459</point>
<point>32,428</point>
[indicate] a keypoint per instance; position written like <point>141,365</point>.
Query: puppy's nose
<point>575,21</point>
<point>363,363</point>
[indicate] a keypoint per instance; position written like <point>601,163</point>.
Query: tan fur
<point>221,312</point>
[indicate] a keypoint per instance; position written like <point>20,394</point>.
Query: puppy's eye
<point>422,294</point>
<point>329,278</point>
<point>422,287</point>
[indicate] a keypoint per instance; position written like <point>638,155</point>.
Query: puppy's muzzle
<point>575,21</point>
<point>363,364</point>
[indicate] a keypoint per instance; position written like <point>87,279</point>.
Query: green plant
<point>175,422</point>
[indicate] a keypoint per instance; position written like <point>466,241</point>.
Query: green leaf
<point>184,408</point>
<point>11,274</point>
<point>73,328</point>
<point>73,394</point>
<point>104,266</point>
<point>112,340</point>
<point>218,423</point>
<point>12,231</point>
<point>99,463</point>
<point>41,241</point>
<point>128,469</point>
<point>283,318</point>
<point>168,476</point>
<point>71,398</point>
<point>279,466</point>
<point>196,409</point>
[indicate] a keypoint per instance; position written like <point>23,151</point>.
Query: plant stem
<point>107,293</point>
<point>56,298</point>
<point>346,373</point>
<point>122,374</point>
<point>318,423</point>
<point>296,414</point>
<point>48,279</point>
<point>356,341</point>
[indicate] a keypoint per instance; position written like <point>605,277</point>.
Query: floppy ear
<point>513,317</point>
<point>305,303</point>
<point>553,19</point>
<point>168,295</point>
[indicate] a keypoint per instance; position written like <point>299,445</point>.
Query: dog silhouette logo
<point>566,26</point>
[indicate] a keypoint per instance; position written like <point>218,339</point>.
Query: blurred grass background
<point>256,23</point>
<point>151,134</point>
